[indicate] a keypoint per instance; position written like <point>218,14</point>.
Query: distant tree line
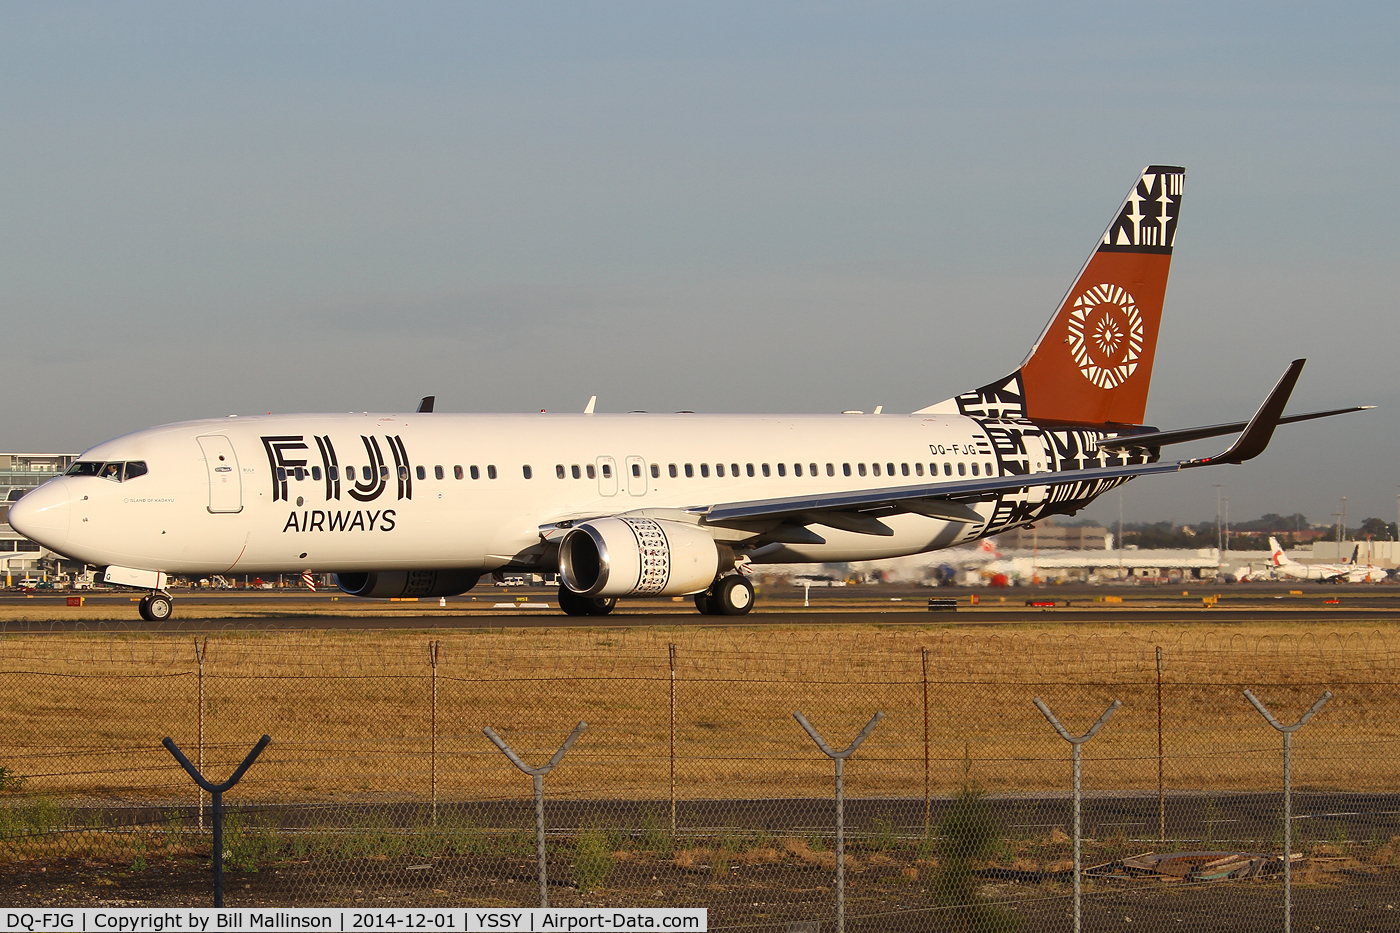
<point>1250,535</point>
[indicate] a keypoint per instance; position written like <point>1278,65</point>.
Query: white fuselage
<point>359,492</point>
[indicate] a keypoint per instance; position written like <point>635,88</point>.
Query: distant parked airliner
<point>423,504</point>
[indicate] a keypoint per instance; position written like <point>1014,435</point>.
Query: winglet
<point>592,400</point>
<point>427,404</point>
<point>1260,430</point>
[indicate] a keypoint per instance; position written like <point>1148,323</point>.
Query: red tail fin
<point>1093,362</point>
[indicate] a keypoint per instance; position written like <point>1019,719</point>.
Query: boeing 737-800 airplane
<point>423,504</point>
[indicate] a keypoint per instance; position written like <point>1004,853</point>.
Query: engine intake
<point>391,583</point>
<point>637,557</point>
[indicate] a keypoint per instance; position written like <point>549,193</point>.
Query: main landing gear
<point>575,605</point>
<point>156,607</point>
<point>730,596</point>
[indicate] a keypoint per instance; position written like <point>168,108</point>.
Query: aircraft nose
<point>42,515</point>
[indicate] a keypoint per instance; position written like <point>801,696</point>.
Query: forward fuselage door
<point>225,483</point>
<point>607,476</point>
<point>636,476</point>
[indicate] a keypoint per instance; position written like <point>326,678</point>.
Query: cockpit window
<point>115,471</point>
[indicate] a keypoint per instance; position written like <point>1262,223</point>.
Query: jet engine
<point>390,583</point>
<point>637,557</point>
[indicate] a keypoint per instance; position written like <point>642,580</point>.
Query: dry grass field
<point>351,713</point>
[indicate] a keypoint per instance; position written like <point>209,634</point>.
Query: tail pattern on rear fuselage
<point>1092,364</point>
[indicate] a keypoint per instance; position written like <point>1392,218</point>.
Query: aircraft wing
<point>852,510</point>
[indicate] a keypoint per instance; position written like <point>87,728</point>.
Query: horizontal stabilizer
<point>1163,438</point>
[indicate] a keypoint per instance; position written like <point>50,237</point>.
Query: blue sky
<point>251,207</point>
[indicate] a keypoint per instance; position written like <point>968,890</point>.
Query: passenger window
<point>457,471</point>
<point>403,472</point>
<point>384,471</point>
<point>672,471</point>
<point>528,473</point>
<point>135,468</point>
<point>719,469</point>
<point>637,469</point>
<point>574,471</point>
<point>860,468</point>
<point>607,471</point>
<point>846,469</point>
<point>689,470</point>
<point>734,470</point>
<point>298,472</point>
<point>491,471</point>
<point>315,472</point>
<point>875,469</point>
<point>962,469</point>
<point>559,471</point>
<point>281,474</point>
<point>437,472</point>
<point>782,469</point>
<point>766,470</point>
<point>947,469</point>
<point>367,473</point>
<point>655,471</point>
<point>830,470</point>
<point>592,473</point>
<point>889,469</point>
<point>704,469</point>
<point>918,469</point>
<point>748,468</point>
<point>989,470</point>
<point>476,472</point>
<point>350,474</point>
<point>797,469</point>
<point>974,469</point>
<point>421,471</point>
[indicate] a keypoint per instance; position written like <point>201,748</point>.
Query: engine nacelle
<point>390,583</point>
<point>637,557</point>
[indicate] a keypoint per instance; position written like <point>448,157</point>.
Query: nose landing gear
<point>156,607</point>
<point>575,605</point>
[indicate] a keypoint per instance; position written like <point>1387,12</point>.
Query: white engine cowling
<point>385,584</point>
<point>637,557</point>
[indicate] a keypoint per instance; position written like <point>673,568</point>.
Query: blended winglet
<point>1260,430</point>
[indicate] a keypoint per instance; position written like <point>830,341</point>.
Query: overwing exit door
<point>636,476</point>
<point>225,481</point>
<point>607,476</point>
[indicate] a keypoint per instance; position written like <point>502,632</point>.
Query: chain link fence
<point>693,784</point>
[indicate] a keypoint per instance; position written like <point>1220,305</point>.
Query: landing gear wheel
<point>705,603</point>
<point>156,607</point>
<point>575,605</point>
<point>733,596</point>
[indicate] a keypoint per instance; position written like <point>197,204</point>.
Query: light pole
<point>1344,527</point>
<point>1227,524</point>
<point>1219,538</point>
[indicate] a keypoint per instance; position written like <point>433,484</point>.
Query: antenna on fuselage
<point>592,400</point>
<point>427,404</point>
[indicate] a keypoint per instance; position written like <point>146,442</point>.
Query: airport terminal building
<point>20,557</point>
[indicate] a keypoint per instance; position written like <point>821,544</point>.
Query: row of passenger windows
<point>673,470</point>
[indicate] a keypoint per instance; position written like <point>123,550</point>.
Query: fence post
<point>673,739</point>
<point>200,651</point>
<point>1075,742</point>
<point>433,647</point>
<point>926,744</point>
<point>1288,793</point>
<point>1161,794</point>
<point>840,759</point>
<point>537,774</point>
<point>217,792</point>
